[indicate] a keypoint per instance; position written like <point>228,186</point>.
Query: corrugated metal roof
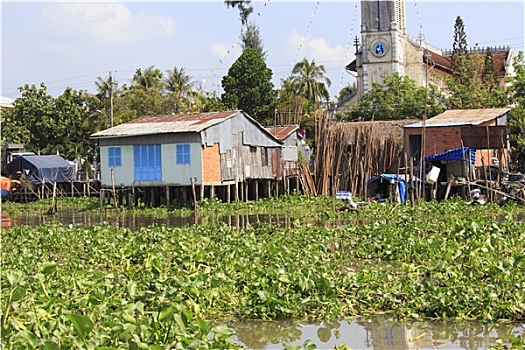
<point>282,132</point>
<point>166,124</point>
<point>457,117</point>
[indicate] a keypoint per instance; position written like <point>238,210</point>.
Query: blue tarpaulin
<point>401,183</point>
<point>461,153</point>
<point>42,169</point>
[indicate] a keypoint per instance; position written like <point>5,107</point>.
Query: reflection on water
<point>374,333</point>
<point>134,221</point>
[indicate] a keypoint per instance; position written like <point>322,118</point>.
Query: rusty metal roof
<point>166,124</point>
<point>457,117</point>
<point>282,132</point>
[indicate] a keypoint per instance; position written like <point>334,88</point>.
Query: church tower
<point>383,42</point>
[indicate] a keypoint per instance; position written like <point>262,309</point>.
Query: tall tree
<point>461,65</point>
<point>177,81</point>
<point>459,46</point>
<point>311,81</point>
<point>149,79</point>
<point>248,86</point>
<point>245,9</point>
<point>252,39</point>
<point>250,35</point>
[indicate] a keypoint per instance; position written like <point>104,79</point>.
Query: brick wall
<point>442,139</point>
<point>211,164</point>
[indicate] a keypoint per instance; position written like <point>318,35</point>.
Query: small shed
<point>480,129</point>
<point>42,169</point>
<point>293,144</point>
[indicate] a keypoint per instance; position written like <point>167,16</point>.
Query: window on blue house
<point>114,157</point>
<point>147,160</point>
<point>183,154</point>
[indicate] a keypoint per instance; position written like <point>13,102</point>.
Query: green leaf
<point>166,313</point>
<point>48,268</point>
<point>50,345</point>
<point>222,330</point>
<point>14,277</point>
<point>81,324</point>
<point>130,288</point>
<point>18,293</point>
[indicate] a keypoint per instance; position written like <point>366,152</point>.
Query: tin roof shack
<point>287,162</point>
<point>481,129</point>
<point>293,144</point>
<point>168,153</point>
<point>351,152</point>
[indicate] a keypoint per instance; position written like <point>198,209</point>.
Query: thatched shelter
<point>348,153</point>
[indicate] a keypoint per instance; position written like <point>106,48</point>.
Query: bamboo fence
<point>349,153</point>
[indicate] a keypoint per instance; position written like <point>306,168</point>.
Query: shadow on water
<point>374,333</point>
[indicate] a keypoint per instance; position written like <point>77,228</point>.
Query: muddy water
<point>371,333</point>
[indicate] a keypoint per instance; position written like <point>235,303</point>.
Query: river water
<point>375,333</point>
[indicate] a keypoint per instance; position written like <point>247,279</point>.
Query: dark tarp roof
<point>42,169</point>
<point>461,153</point>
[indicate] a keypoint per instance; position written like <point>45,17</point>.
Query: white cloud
<point>104,23</point>
<point>317,49</point>
<point>321,50</point>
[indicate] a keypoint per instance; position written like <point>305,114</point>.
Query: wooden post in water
<point>168,198</point>
<point>193,190</point>
<point>113,186</point>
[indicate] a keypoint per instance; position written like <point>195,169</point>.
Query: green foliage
<point>44,124</point>
<point>149,79</point>
<point>459,46</point>
<point>474,82</point>
<point>248,86</point>
<point>398,98</point>
<point>516,122</point>
<point>310,81</point>
<point>252,39</point>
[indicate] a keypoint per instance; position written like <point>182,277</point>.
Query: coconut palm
<point>178,81</point>
<point>148,79</point>
<point>311,81</point>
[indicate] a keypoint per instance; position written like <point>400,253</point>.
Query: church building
<point>387,48</point>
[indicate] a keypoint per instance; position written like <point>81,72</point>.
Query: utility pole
<point>111,99</point>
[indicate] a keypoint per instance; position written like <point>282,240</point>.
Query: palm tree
<point>311,81</point>
<point>149,79</point>
<point>99,117</point>
<point>245,9</point>
<point>178,81</point>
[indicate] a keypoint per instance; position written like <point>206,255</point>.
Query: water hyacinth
<point>162,287</point>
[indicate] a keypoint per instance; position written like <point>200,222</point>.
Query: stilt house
<point>226,152</point>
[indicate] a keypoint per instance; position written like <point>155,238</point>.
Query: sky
<point>71,43</point>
